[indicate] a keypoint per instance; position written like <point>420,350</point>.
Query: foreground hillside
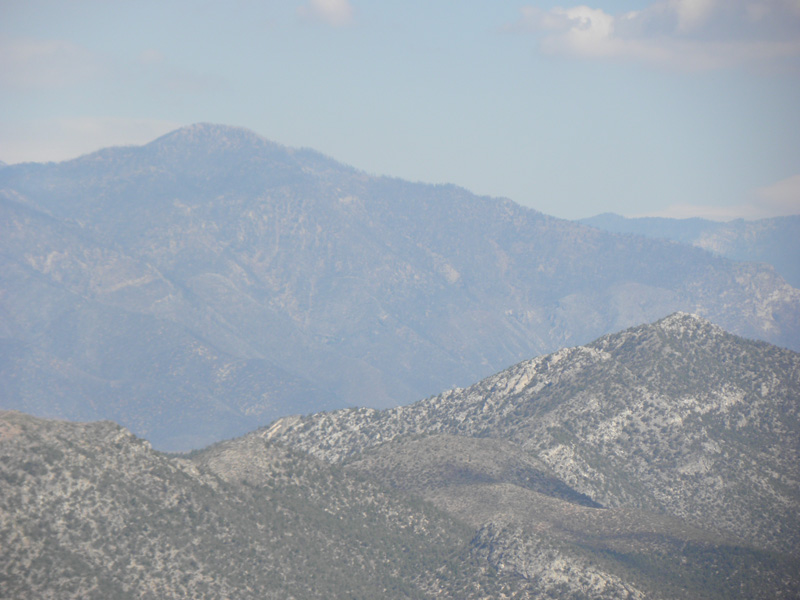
<point>657,463</point>
<point>678,417</point>
<point>211,281</point>
<point>88,511</point>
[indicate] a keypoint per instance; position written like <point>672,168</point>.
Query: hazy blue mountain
<point>656,463</point>
<point>208,282</point>
<point>775,241</point>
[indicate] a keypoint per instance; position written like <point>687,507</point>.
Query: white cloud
<point>713,213</point>
<point>32,64</point>
<point>336,13</point>
<point>692,13</point>
<point>777,200</point>
<point>782,197</point>
<point>61,139</point>
<point>682,34</point>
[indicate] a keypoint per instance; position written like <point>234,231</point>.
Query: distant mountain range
<point>211,281</point>
<point>775,241</point>
<point>656,463</point>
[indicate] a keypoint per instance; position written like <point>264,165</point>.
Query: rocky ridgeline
<point>677,417</point>
<point>338,435</point>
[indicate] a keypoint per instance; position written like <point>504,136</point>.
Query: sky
<point>674,108</point>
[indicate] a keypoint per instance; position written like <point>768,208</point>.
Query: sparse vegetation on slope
<point>657,463</point>
<point>678,418</point>
<point>90,511</point>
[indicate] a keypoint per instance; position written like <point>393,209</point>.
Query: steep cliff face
<point>211,281</point>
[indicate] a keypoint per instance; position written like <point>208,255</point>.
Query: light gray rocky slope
<point>88,511</point>
<point>206,283</point>
<point>678,418</point>
<point>657,463</point>
<point>530,525</point>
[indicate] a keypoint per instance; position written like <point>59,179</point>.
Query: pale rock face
<point>88,511</point>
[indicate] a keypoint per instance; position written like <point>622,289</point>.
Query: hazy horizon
<point>640,108</point>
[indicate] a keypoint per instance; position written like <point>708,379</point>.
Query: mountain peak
<point>680,324</point>
<point>207,146</point>
<point>679,328</point>
<point>681,317</point>
<point>214,135</point>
